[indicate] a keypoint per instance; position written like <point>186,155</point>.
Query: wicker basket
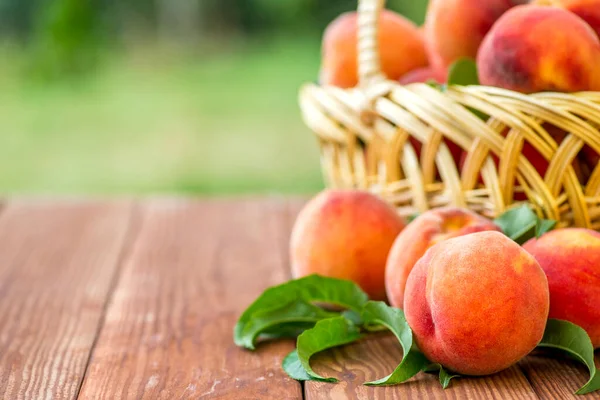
<point>364,139</point>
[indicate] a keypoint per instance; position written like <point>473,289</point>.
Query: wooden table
<point>137,299</point>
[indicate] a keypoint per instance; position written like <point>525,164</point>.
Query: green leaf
<point>432,83</point>
<point>267,321</point>
<point>286,330</point>
<point>294,303</point>
<point>444,376</point>
<point>518,223</point>
<point>413,361</point>
<point>293,367</point>
<point>479,114</point>
<point>326,334</point>
<point>544,226</point>
<point>574,340</point>
<point>412,217</point>
<point>353,317</point>
<point>521,224</point>
<point>463,72</point>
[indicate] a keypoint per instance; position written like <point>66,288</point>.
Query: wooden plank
<point>57,262</point>
<point>377,356</point>
<point>168,331</point>
<point>556,377</point>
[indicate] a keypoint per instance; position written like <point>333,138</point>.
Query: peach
<point>525,52</point>
<point>401,49</point>
<point>477,304</point>
<point>425,231</point>
<point>455,28</point>
<point>571,259</point>
<point>588,10</point>
<point>424,75</point>
<point>345,234</point>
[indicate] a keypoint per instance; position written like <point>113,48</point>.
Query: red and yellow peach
<point>401,49</point>
<point>345,234</point>
<point>477,304</point>
<point>425,231</point>
<point>455,28</point>
<point>571,260</point>
<point>525,52</point>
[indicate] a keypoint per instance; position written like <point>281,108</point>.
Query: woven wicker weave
<point>364,139</point>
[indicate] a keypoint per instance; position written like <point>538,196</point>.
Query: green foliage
<point>66,39</point>
<point>412,217</point>
<point>293,367</point>
<point>328,333</point>
<point>521,224</point>
<point>544,225</point>
<point>292,306</point>
<point>278,322</point>
<point>393,319</point>
<point>463,72</point>
<point>310,15</point>
<point>414,10</point>
<point>248,16</point>
<point>156,122</point>
<point>444,376</point>
<point>337,330</point>
<point>574,340</point>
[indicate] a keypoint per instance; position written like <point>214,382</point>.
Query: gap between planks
<point>55,269</point>
<point>537,376</point>
<point>133,228</point>
<point>200,264</point>
<point>350,363</point>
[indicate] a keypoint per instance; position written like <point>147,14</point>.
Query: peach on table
<point>571,260</point>
<point>477,303</point>
<point>426,230</point>
<point>345,234</point>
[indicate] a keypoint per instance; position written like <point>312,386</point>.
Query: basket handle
<point>369,67</point>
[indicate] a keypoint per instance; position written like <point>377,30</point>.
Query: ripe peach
<point>455,28</point>
<point>477,303</point>
<point>571,259</point>
<point>424,75</point>
<point>588,10</point>
<point>425,231</point>
<point>345,234</point>
<point>401,49</point>
<point>525,52</point>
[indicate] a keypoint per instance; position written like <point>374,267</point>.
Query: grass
<point>159,122</point>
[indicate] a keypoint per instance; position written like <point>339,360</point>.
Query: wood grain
<point>168,330</point>
<point>556,377</point>
<point>140,302</point>
<point>57,261</point>
<point>376,357</point>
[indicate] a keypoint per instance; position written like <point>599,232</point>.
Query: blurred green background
<point>161,96</point>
